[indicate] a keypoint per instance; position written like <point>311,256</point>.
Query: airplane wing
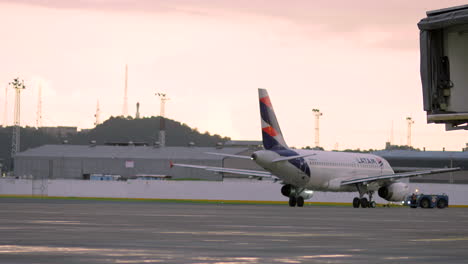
<point>255,173</point>
<point>395,176</point>
<point>229,155</point>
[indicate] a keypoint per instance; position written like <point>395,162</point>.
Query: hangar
<point>409,160</point>
<point>82,161</point>
<point>129,161</point>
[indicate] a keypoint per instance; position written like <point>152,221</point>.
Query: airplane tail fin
<point>271,132</point>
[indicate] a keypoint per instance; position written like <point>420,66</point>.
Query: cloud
<point>393,22</point>
<point>338,15</point>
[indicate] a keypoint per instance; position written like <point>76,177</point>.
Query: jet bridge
<point>444,66</point>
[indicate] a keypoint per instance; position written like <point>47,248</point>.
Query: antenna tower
<point>162,122</point>
<point>410,122</point>
<point>39,108</point>
<point>317,115</point>
<point>97,115</point>
<point>5,115</point>
<point>15,143</point>
<point>125,106</point>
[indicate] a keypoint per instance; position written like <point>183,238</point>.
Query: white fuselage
<point>327,169</point>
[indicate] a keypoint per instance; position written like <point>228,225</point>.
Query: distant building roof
<point>141,152</point>
<point>412,154</point>
<point>243,143</point>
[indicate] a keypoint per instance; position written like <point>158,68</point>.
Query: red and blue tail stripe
<point>272,136</point>
<point>271,132</point>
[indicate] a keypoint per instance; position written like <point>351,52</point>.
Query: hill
<point>115,129</point>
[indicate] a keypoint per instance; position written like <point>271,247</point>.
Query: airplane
<point>301,172</point>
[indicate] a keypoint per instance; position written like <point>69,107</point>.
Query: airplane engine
<point>287,190</point>
<point>307,194</point>
<point>394,192</point>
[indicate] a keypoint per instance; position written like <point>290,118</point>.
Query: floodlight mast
<point>410,122</point>
<point>163,98</point>
<point>15,143</point>
<point>97,115</point>
<point>162,124</point>
<point>317,115</point>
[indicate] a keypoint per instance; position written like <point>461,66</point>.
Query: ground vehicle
<point>427,200</point>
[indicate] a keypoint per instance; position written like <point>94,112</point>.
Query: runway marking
<point>109,252</point>
<point>440,239</point>
<point>327,256</point>
<point>396,258</point>
<point>55,222</point>
<point>11,228</point>
<point>235,260</point>
<point>288,261</point>
<point>139,261</point>
<point>356,250</point>
<point>239,233</point>
<point>236,226</point>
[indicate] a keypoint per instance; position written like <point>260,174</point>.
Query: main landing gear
<point>293,201</point>
<point>296,195</point>
<point>362,201</point>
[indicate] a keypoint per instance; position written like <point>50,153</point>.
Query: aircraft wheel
<point>300,201</point>
<point>364,203</point>
<point>372,204</point>
<point>292,201</point>
<point>356,202</point>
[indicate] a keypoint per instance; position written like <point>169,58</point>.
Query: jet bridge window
<point>444,66</point>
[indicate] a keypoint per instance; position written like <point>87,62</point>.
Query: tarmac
<point>94,231</point>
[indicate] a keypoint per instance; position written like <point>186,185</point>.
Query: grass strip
<point>194,201</point>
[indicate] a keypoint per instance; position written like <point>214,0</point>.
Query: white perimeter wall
<point>227,190</point>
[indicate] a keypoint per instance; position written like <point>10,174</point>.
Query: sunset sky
<point>356,61</point>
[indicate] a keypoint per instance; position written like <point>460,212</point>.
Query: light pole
<point>162,123</point>
<point>15,142</point>
<point>410,123</point>
<point>317,115</point>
